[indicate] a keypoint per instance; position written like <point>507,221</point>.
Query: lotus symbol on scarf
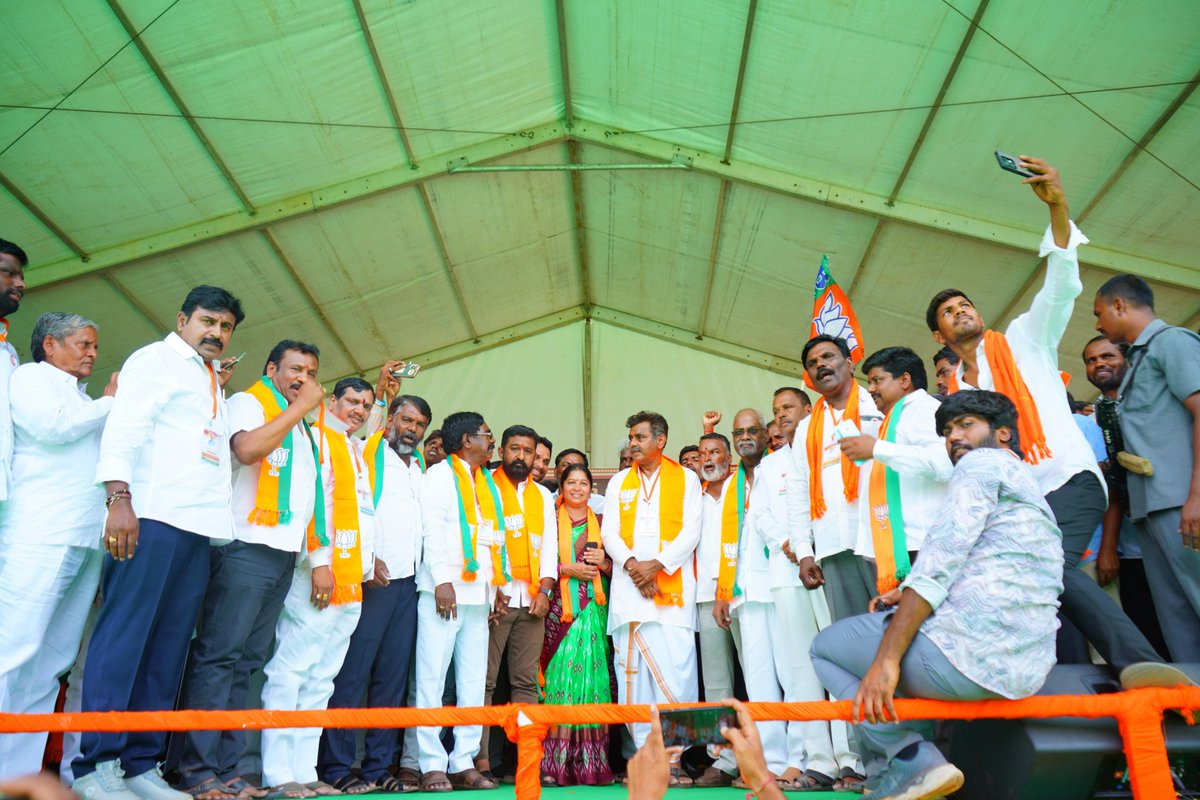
<point>831,320</point>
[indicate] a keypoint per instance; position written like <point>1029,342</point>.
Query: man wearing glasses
<point>463,569</point>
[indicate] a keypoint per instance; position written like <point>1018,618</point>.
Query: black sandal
<point>351,784</point>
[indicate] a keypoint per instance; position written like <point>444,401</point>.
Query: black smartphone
<point>592,545</point>
<point>1011,164</point>
<point>688,727</point>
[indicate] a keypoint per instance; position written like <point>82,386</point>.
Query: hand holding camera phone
<point>687,727</point>
<point>407,369</point>
<point>1012,164</point>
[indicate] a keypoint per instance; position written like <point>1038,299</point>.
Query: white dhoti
<point>466,640</point>
<point>758,641</point>
<point>48,591</point>
<point>816,746</point>
<point>655,663</point>
<point>310,646</point>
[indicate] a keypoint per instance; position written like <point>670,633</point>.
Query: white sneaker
<point>106,783</point>
<point>151,786</point>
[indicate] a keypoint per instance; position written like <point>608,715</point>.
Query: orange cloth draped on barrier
<point>1138,714</point>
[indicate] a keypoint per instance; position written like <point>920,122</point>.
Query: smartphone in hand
<point>688,727</point>
<point>1012,164</point>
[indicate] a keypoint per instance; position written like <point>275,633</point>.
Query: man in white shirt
<point>818,752</point>
<point>12,288</point>
<point>823,484</point>
<point>49,527</point>
<point>381,650</point>
<point>457,581</point>
<point>717,642</point>
<point>743,598</point>
<point>904,488</point>
<point>651,528</point>
<point>324,600</point>
<point>1022,364</point>
<point>531,532</point>
<point>165,464</point>
<point>250,576</point>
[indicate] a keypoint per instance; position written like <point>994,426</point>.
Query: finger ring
<point>454,606</point>
<point>112,539</point>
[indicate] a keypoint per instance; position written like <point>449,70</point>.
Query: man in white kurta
<point>823,541</point>
<point>12,287</point>
<point>50,525</point>
<point>653,639</point>
<point>314,630</point>
<point>452,603</point>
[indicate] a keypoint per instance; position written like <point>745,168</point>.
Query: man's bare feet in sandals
<point>211,789</point>
<point>322,789</point>
<point>435,782</point>
<point>289,791</point>
<point>244,789</point>
<point>471,779</point>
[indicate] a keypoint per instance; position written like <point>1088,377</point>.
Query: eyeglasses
<point>486,436</point>
<point>755,431</point>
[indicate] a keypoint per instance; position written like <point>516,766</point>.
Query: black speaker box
<point>1058,758</point>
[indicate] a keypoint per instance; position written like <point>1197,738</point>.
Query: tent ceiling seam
<point>177,99</point>
<point>385,87</point>
<point>866,256</point>
<point>585,279</point>
<point>564,67</point>
<point>714,249</point>
<point>134,303</point>
<point>972,26</point>
<point>290,268</point>
<point>447,265</point>
<point>42,217</point>
<point>751,11</point>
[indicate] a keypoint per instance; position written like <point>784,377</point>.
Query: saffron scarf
<point>887,514</point>
<point>272,503</point>
<point>732,515</point>
<point>1008,382</point>
<point>569,587</point>
<point>814,447</point>
<point>670,520</point>
<point>468,489</point>
<point>523,556</point>
<point>347,535</point>
<point>373,454</point>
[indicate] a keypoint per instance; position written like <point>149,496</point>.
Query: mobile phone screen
<point>692,726</point>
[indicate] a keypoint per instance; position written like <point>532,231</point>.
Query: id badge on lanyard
<point>366,496</point>
<point>211,454</point>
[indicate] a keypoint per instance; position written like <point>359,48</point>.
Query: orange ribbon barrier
<point>1138,714</point>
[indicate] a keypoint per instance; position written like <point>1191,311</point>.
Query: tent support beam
<point>43,218</point>
<point>1116,175</point>
<point>138,306</point>
<point>718,224</point>
<point>937,101</point>
<point>581,249</point>
<point>716,347</point>
<point>751,11</point>
<point>564,66</point>
<point>384,86</point>
<point>290,268</point>
<point>337,194</point>
<point>866,258</point>
<point>875,205</point>
<point>169,88</point>
<point>587,387</point>
<point>460,298</point>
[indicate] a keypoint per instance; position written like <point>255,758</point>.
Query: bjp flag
<point>832,314</point>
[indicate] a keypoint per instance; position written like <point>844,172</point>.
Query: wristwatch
<point>546,592</point>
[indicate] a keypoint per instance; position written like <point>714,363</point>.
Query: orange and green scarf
<point>814,447</point>
<point>1008,382</point>
<point>569,587</point>
<point>670,520</point>
<point>347,535</point>
<point>733,512</point>
<point>468,489</point>
<point>887,515</point>
<point>272,503</point>
<point>521,527</point>
<point>373,454</point>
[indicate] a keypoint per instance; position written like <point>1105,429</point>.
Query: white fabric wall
<point>539,382</point>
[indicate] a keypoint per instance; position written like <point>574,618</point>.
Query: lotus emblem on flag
<point>832,321</point>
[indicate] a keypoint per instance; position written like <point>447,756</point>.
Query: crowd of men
<point>865,541</point>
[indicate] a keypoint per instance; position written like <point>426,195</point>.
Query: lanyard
<point>212,374</point>
<point>647,492</point>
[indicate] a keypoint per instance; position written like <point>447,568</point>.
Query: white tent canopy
<point>306,155</point>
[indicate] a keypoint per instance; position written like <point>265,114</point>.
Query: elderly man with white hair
<point>50,525</point>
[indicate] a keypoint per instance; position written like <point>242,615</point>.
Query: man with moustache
<point>381,649</point>
<point>1022,364</point>
<point>690,458</point>
<point>165,465</point>
<point>823,484</point>
<point>818,752</point>
<point>907,466</point>
<point>775,438</point>
<point>49,562</point>
<point>744,603</point>
<point>651,528</point>
<point>1119,552</point>
<point>531,533</point>
<point>274,493</point>
<point>324,601</point>
<point>12,288</point>
<point>624,457</point>
<point>1159,402</point>
<point>976,617</point>
<point>944,363</point>
<point>541,459</point>
<point>459,581</point>
<point>433,452</point>
<point>717,642</point>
